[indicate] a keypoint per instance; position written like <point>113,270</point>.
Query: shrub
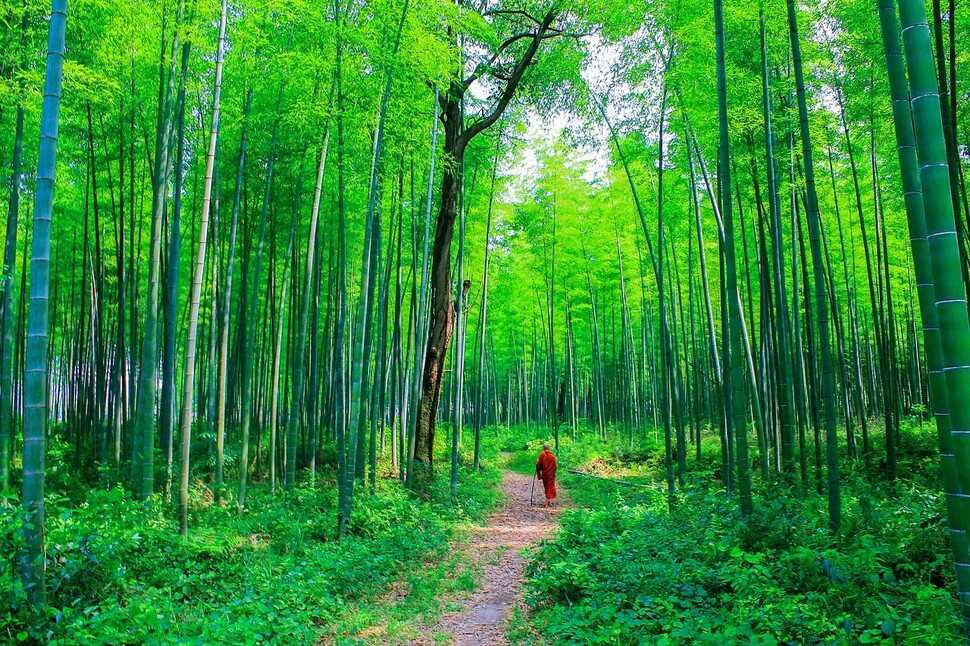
<point>120,573</point>
<point>626,568</point>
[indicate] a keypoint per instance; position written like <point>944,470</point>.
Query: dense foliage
<point>626,569</point>
<point>272,244</point>
<point>119,573</point>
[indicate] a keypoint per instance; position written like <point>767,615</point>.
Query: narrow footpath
<point>495,549</point>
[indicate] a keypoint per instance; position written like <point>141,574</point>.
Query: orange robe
<point>546,470</point>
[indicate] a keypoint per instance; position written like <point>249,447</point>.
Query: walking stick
<point>532,493</point>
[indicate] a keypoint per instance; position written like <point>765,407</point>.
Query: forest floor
<point>473,593</point>
<point>499,551</point>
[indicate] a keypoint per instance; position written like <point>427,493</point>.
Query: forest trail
<point>495,549</point>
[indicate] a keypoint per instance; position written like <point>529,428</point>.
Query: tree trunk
<point>226,311</point>
<point>442,314</point>
<point>6,353</point>
<point>814,226</point>
<point>249,329</point>
<point>144,441</point>
<point>166,418</point>
<point>197,286</point>
<point>36,360</point>
<point>944,253</point>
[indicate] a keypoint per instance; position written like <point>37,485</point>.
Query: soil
<point>500,550</point>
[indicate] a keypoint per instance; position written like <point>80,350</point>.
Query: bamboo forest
<point>302,301</point>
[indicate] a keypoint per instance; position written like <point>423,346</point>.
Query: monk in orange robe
<point>546,471</point>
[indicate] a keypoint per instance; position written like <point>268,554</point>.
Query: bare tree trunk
<point>6,353</point>
<point>144,465</point>
<point>442,304</point>
<point>442,312</point>
<point>197,285</point>
<point>226,311</point>
<point>36,361</point>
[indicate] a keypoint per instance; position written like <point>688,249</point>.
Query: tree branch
<point>513,12</point>
<point>482,68</point>
<point>510,86</point>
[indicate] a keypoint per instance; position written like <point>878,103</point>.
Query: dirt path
<point>495,549</point>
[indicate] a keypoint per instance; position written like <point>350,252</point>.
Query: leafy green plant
<point>626,569</point>
<point>118,571</point>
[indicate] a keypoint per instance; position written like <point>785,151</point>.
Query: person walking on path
<point>546,471</point>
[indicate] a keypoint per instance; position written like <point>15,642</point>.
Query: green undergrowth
<point>120,573</point>
<point>418,598</point>
<point>626,568</point>
<point>415,599</point>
